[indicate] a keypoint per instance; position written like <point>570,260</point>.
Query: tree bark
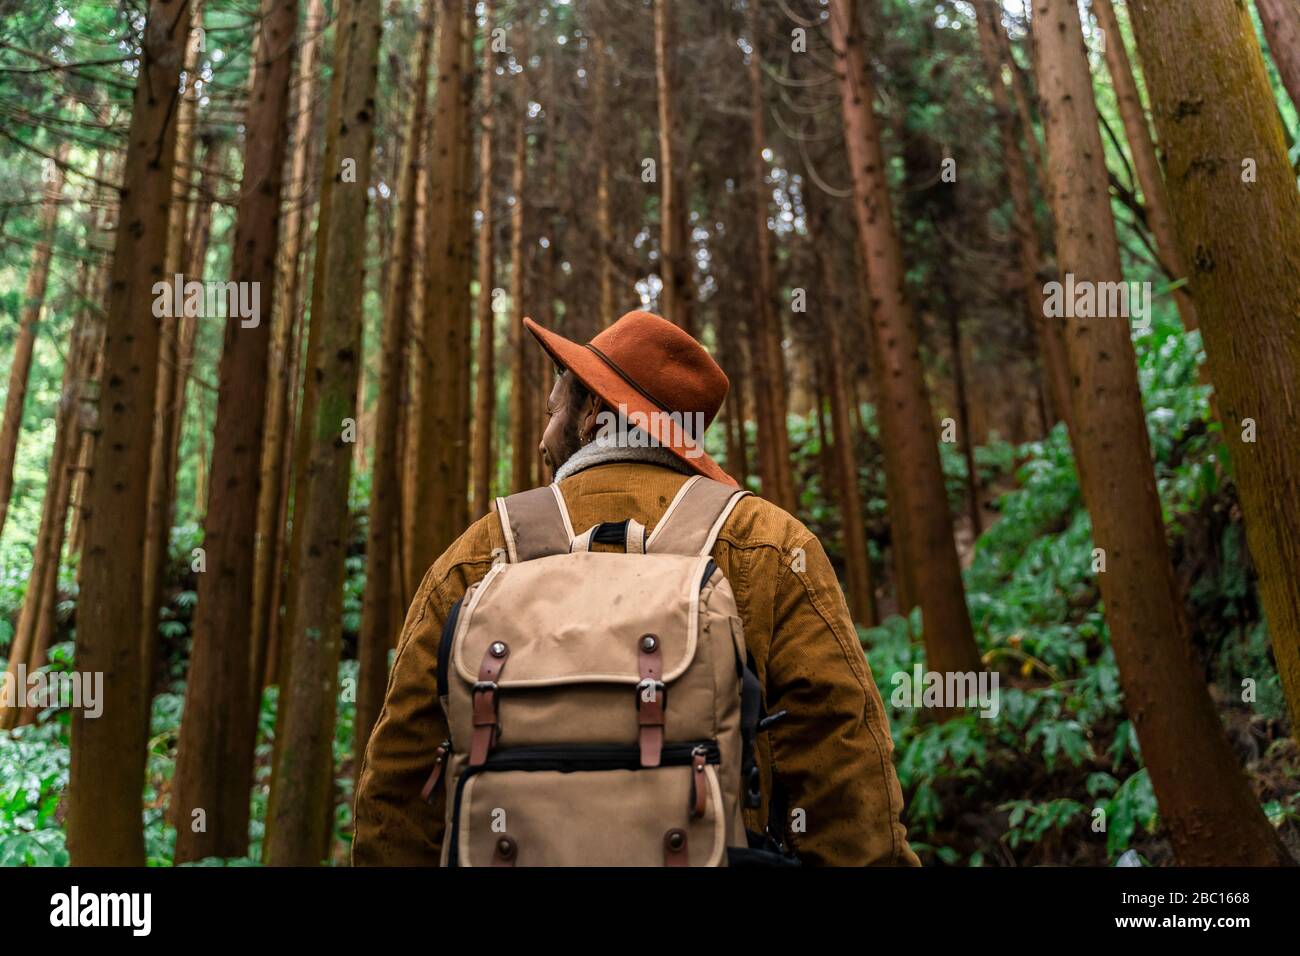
<point>520,395</point>
<point>380,616</point>
<point>861,590</point>
<point>214,762</point>
<point>1281,20</point>
<point>268,547</point>
<point>770,394</point>
<point>1051,345</point>
<point>87,336</point>
<point>88,410</point>
<point>105,805</point>
<point>1243,242</point>
<point>674,260</point>
<point>907,423</point>
<point>461,335</point>
<point>200,232</point>
<point>437,456</point>
<point>1212,815</point>
<point>298,816</point>
<point>38,275</point>
<point>1143,150</point>
<point>166,414</point>
<point>485,397</point>
<point>44,574</point>
<point>309,400</point>
<point>604,218</point>
<point>963,414</point>
<point>1019,82</point>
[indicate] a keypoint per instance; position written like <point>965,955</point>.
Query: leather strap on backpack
<point>650,699</point>
<point>694,517</point>
<point>485,702</point>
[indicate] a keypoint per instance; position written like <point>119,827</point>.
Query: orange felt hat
<point>656,374</point>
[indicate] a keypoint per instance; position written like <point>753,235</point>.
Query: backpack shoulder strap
<point>535,523</point>
<point>694,517</point>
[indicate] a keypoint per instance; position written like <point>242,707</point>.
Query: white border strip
<point>504,517</point>
<point>564,510</point>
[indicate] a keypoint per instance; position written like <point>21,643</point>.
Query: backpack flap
<point>573,630</point>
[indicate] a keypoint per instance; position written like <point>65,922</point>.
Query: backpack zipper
<point>444,647</point>
<point>579,757</point>
<point>439,763</point>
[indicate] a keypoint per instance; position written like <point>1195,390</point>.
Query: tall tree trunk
<point>1212,815</point>
<point>380,616</point>
<point>904,569</point>
<point>200,232</point>
<point>214,762</point>
<point>1143,150</point>
<point>38,275</point>
<point>463,315</point>
<point>87,336</point>
<point>1281,20</point>
<point>860,587</point>
<point>826,466</point>
<point>166,414</point>
<point>1243,241</point>
<point>105,792</point>
<point>770,395</point>
<point>303,440</point>
<point>268,546</point>
<point>436,455</point>
<point>298,816</point>
<point>1019,82</point>
<point>963,414</point>
<point>674,261</point>
<point>544,259</point>
<point>36,630</point>
<point>54,513</point>
<point>907,424</point>
<point>520,395</point>
<point>410,380</point>
<point>604,219</point>
<point>88,410</point>
<point>485,396</point>
<point>1051,345</point>
<point>734,359</point>
<point>861,590</point>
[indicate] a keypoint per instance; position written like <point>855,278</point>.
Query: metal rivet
<point>675,839</point>
<point>649,643</point>
<point>498,649</point>
<point>506,847</point>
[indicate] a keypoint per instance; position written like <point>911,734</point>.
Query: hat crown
<point>665,363</point>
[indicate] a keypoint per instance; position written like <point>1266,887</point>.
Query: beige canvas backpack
<point>599,705</point>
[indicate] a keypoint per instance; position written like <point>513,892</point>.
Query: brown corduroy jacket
<point>830,755</point>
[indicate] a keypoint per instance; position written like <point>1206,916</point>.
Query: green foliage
<point>33,773</point>
<point>1030,821</point>
<point>1133,805</point>
<point>1059,732</point>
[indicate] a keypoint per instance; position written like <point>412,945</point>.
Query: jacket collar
<point>608,450</point>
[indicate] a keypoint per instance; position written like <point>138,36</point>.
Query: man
<point>825,763</point>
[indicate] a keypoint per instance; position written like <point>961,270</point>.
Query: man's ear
<point>590,416</point>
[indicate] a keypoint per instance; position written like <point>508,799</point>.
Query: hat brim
<point>617,392</point>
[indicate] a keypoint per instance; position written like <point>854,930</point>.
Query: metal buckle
<point>661,692</point>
